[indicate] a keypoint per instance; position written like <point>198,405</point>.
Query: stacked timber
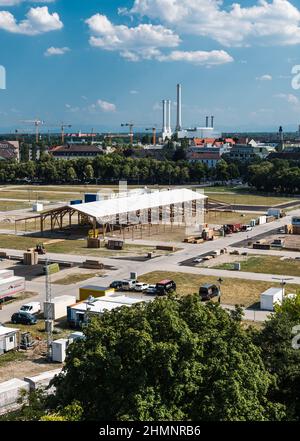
<point>93,264</point>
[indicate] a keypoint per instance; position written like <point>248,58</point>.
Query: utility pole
<point>220,280</point>
<point>48,312</point>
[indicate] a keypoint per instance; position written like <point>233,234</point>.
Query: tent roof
<point>132,203</point>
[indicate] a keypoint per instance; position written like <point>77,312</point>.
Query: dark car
<point>208,292</point>
<point>117,284</point>
<point>23,318</point>
<point>165,287</point>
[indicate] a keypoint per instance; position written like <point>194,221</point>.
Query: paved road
<point>172,262</point>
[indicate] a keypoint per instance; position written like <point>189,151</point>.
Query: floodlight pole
<point>48,315</point>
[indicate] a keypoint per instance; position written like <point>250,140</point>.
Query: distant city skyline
<point>98,64</point>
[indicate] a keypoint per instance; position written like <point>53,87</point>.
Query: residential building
<point>9,151</point>
<point>74,151</point>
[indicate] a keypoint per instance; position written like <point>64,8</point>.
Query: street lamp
<point>283,281</point>
<point>220,280</point>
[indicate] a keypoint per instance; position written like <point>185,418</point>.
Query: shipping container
<point>94,291</point>
<point>58,307</point>
<point>269,298</point>
<point>76,202</point>
<point>90,197</point>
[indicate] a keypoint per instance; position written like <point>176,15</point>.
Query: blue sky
<point>98,63</point>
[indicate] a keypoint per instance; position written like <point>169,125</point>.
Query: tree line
<point>177,359</point>
<point>111,168</point>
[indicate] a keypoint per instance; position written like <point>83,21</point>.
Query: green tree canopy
<point>170,359</point>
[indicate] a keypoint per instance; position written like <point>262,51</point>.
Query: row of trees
<point>177,359</point>
<point>275,176</point>
<point>112,168</point>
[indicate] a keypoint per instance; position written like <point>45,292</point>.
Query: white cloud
<point>72,109</point>
<point>146,42</point>
<point>289,97</point>
<point>134,92</point>
<point>56,51</point>
<point>133,43</point>
<point>268,22</point>
<point>265,77</point>
<point>203,58</point>
<point>38,20</point>
<point>105,106</point>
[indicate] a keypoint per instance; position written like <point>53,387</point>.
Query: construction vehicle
<point>40,249</point>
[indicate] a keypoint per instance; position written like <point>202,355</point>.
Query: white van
<point>31,308</point>
<point>128,285</point>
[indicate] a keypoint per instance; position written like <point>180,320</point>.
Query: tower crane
<point>63,127</point>
<point>37,123</point>
<point>153,135</point>
<point>130,125</point>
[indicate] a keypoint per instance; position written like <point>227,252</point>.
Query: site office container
<point>58,307</point>
<point>11,285</point>
<point>94,291</point>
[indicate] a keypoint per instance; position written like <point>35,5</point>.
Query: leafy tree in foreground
<point>170,359</point>
<point>280,357</point>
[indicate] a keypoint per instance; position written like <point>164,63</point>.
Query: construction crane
<point>130,125</point>
<point>63,127</point>
<point>153,135</point>
<point>37,123</point>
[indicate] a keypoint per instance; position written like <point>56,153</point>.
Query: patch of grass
<point>38,330</point>
<point>267,265</point>
<point>234,291</point>
<point>11,356</point>
<point>75,278</point>
<point>249,199</point>
<point>220,218</point>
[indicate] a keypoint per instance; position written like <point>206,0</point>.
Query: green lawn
<point>234,291</point>
<point>267,265</point>
<point>248,199</point>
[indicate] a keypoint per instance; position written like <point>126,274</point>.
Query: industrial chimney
<point>206,123</point>
<point>169,116</point>
<point>164,126</point>
<point>178,123</point>
<point>212,121</point>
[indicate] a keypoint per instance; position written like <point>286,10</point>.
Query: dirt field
<point>234,291</point>
<point>221,218</point>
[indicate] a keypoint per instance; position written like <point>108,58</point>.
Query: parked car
<point>31,308</point>
<point>208,292</point>
<point>151,290</point>
<point>128,285</point>
<point>23,318</point>
<point>247,228</point>
<point>141,286</point>
<point>117,284</point>
<point>198,260</point>
<point>165,286</point>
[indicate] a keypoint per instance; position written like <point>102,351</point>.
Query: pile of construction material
<point>93,242</point>
<point>10,284</point>
<point>31,257</point>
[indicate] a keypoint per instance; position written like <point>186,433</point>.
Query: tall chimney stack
<point>178,123</point>
<point>169,116</point>
<point>206,124</point>
<point>212,121</point>
<point>164,126</point>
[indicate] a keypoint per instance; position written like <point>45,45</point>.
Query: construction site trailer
<point>8,339</point>
<point>11,285</point>
<point>94,291</point>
